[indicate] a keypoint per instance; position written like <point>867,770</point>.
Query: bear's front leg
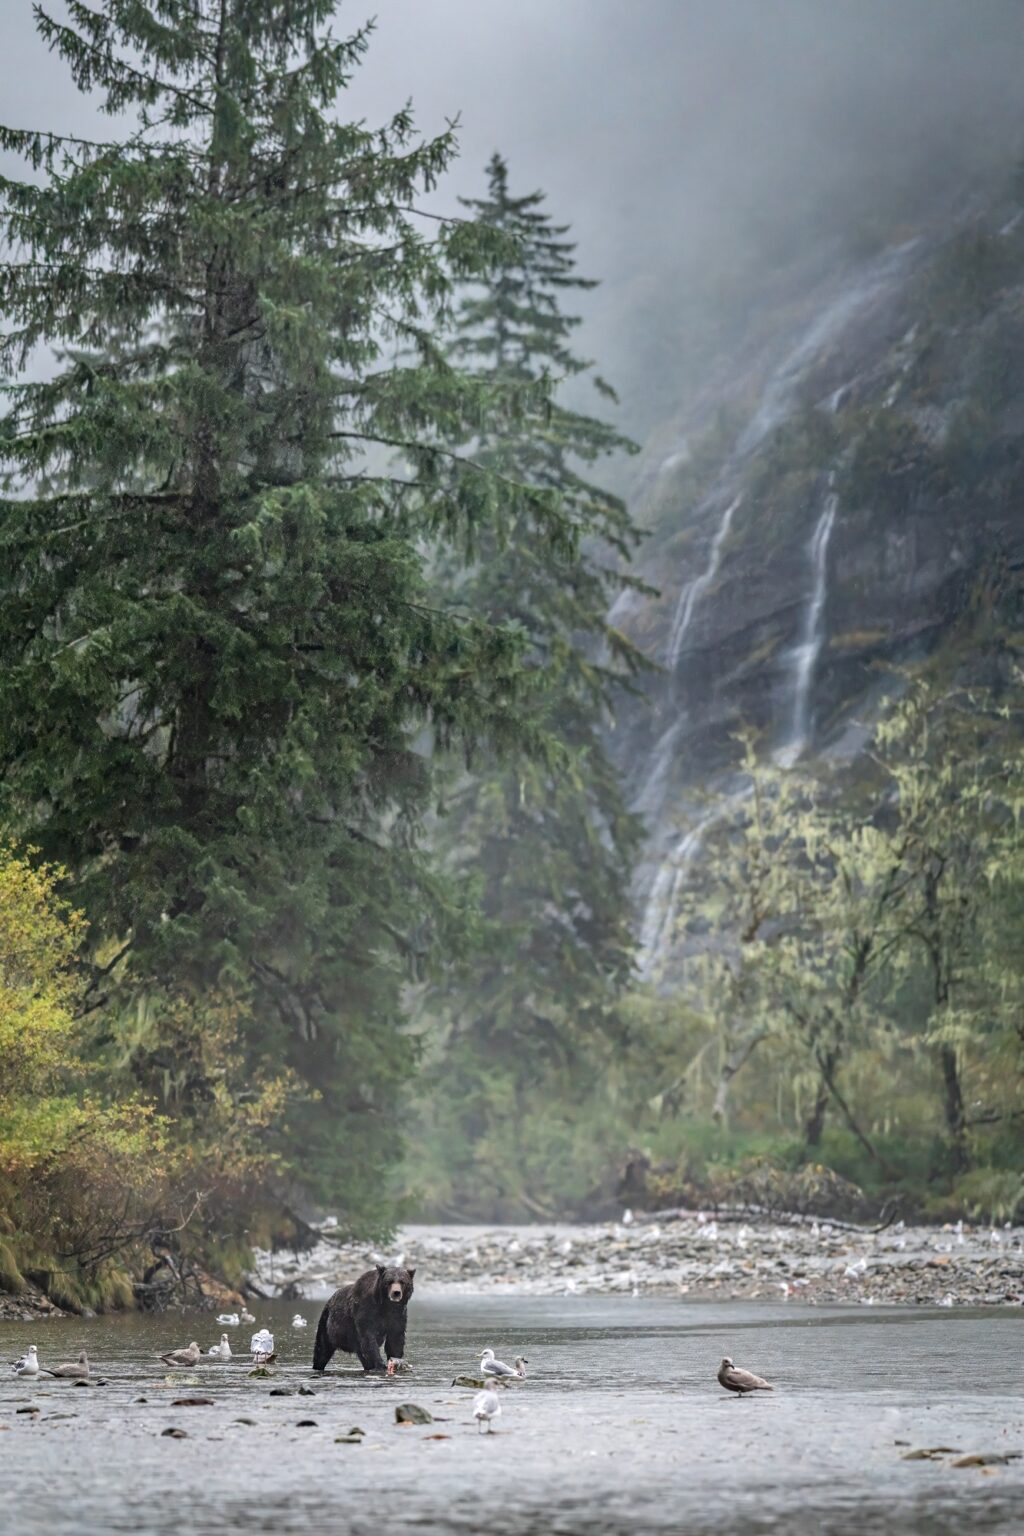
<point>394,1343</point>
<point>369,1353</point>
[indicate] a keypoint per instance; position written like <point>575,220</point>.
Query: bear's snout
<point>395,1291</point>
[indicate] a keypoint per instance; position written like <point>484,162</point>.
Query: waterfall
<point>804,658</point>
<point>823,332</point>
<point>695,589</point>
<point>660,910</point>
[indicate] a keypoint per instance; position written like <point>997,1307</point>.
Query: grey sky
<point>687,141</point>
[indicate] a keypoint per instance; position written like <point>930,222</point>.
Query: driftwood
<point>742,1213</point>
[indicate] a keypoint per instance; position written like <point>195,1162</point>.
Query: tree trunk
<point>954,1106</point>
<point>816,1119</point>
<point>734,1060</point>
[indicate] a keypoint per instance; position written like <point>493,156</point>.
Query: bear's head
<point>394,1285</point>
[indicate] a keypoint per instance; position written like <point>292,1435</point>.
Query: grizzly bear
<point>360,1317</point>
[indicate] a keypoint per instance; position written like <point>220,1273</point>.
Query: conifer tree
<point>550,842</point>
<point>222,678</point>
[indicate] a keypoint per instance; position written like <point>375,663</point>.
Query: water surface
<point>621,1426</point>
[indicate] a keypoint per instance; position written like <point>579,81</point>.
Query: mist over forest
<point>432,785</point>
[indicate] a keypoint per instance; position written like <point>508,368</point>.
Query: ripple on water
<point>621,1427</point>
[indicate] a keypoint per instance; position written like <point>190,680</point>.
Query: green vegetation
<point>315,886</point>
<point>852,961</point>
<point>547,844</point>
<point>294,576</point>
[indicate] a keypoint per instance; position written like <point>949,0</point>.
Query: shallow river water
<point>620,1427</point>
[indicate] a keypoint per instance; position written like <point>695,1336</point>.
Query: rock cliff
<point>844,494</point>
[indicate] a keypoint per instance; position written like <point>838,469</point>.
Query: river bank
<point>691,1255</point>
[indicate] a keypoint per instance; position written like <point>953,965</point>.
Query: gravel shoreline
<point>692,1255</point>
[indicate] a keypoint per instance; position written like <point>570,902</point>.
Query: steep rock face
<point>831,507</point>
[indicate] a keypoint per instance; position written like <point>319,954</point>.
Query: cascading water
<point>659,913</point>
<point>694,590</point>
<point>803,369</point>
<point>804,658</point>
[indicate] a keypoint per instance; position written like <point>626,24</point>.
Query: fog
<point>694,145</point>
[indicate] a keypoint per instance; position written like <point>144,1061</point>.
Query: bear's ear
<point>411,1273</point>
<point>381,1268</point>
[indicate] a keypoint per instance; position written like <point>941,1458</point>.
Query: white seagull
<point>489,1366</point>
<point>261,1346</point>
<point>221,1351</point>
<point>298,1321</point>
<point>245,1317</point>
<point>485,1408</point>
<point>228,1319</point>
<point>28,1365</point>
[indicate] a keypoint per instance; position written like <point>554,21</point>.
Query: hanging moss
<point>11,1278</point>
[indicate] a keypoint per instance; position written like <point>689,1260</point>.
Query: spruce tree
<point>549,842</point>
<point>223,679</point>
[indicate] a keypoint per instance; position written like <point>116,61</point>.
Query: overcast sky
<point>679,137</point>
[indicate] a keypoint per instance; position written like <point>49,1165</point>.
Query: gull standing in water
<point>521,1364</point>
<point>183,1357</point>
<point>28,1365</point>
<point>486,1407</point>
<point>70,1371</point>
<point>735,1380</point>
<point>245,1317</point>
<point>262,1346</point>
<point>489,1366</point>
<point>221,1351</point>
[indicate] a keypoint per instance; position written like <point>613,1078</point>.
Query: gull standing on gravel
<point>183,1357</point>
<point>28,1365</point>
<point>741,1382</point>
<point>486,1407</point>
<point>221,1351</point>
<point>489,1366</point>
<point>262,1346</point>
<point>71,1371</point>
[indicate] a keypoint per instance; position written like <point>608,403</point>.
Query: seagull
<point>228,1319</point>
<point>298,1321</point>
<point>183,1357</point>
<point>28,1365</point>
<point>521,1364</point>
<point>79,1372</point>
<point>854,1271</point>
<point>245,1317</point>
<point>486,1407</point>
<point>221,1351</point>
<point>489,1366</point>
<point>734,1380</point>
<point>262,1346</point>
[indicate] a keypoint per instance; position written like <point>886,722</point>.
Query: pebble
<point>755,1257</point>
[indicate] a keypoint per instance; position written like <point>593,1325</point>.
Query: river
<point>621,1426</point>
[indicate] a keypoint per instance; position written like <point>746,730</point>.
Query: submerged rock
<point>412,1413</point>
